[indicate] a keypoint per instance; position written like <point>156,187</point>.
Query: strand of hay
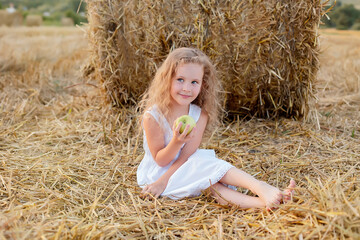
<point>66,21</point>
<point>33,20</point>
<point>266,52</point>
<point>10,19</point>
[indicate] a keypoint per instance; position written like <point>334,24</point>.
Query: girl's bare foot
<point>270,195</point>
<point>289,191</point>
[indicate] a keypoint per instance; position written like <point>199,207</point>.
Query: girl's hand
<point>182,137</point>
<point>155,189</point>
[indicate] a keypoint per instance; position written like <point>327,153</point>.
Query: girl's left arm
<point>190,147</point>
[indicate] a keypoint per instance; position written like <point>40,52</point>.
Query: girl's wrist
<point>176,142</point>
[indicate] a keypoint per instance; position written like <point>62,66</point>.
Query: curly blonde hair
<point>159,91</point>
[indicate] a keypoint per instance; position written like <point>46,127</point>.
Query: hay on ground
<point>266,52</point>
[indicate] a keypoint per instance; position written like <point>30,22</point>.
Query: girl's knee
<point>216,187</point>
<point>216,192</point>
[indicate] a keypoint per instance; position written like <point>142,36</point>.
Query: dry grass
<point>68,164</point>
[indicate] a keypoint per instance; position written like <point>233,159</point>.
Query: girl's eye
<point>194,82</point>
<point>180,80</point>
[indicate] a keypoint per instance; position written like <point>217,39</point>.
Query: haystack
<point>33,20</point>
<point>66,21</point>
<point>266,52</point>
<point>10,19</point>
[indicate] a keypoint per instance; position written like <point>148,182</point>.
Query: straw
<point>68,162</point>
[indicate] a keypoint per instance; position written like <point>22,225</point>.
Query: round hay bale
<point>33,20</point>
<point>66,21</point>
<point>10,19</point>
<point>17,19</point>
<point>3,17</point>
<point>266,52</point>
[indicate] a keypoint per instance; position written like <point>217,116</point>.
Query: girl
<point>173,166</point>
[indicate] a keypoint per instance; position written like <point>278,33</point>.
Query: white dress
<point>201,170</point>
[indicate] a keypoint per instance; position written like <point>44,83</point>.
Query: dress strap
<point>195,112</point>
<point>157,115</point>
<point>153,112</point>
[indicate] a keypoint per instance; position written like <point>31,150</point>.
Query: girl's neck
<point>176,111</point>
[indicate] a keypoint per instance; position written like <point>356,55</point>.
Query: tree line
<point>52,11</point>
<point>343,17</point>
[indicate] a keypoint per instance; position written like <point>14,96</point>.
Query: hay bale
<point>10,19</point>
<point>4,18</point>
<point>66,21</point>
<point>265,51</point>
<point>33,20</point>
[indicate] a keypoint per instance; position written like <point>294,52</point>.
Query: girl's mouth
<point>184,96</point>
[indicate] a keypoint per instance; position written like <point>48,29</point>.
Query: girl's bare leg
<point>225,195</point>
<point>270,195</point>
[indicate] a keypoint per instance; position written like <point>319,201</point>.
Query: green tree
<point>356,25</point>
<point>343,16</point>
<point>343,22</point>
<point>76,17</point>
<point>75,5</point>
<point>329,22</point>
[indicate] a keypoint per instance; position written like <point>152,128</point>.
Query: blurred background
<point>344,14</point>
<point>50,12</point>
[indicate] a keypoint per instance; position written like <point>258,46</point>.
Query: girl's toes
<point>291,187</point>
<point>292,183</point>
<point>288,195</point>
<point>289,191</point>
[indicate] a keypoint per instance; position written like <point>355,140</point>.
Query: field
<point>68,162</point>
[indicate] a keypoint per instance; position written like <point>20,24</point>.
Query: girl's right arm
<point>158,187</point>
<point>155,139</point>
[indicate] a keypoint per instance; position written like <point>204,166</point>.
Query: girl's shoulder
<point>152,111</point>
<point>154,114</point>
<point>204,115</point>
<point>197,112</point>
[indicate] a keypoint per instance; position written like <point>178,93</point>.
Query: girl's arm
<point>190,147</point>
<point>155,139</point>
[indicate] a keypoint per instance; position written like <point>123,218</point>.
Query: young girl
<point>173,166</point>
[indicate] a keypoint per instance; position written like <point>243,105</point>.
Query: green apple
<point>186,120</point>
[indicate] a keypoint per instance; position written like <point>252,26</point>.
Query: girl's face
<point>186,83</point>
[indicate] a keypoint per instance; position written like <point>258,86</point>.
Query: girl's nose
<point>186,87</point>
